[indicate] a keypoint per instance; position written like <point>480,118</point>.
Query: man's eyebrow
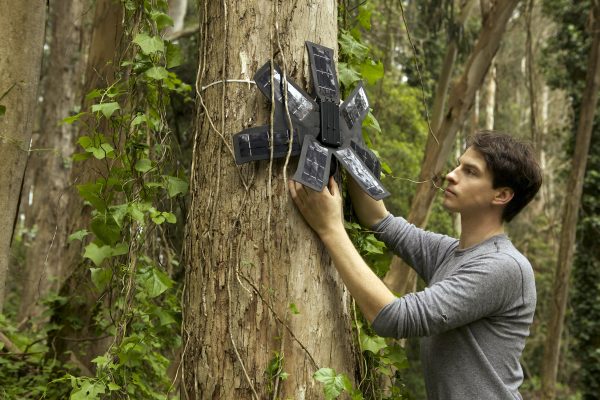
<point>468,165</point>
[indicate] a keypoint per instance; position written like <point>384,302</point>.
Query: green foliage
<point>132,199</point>
<point>275,371</point>
<point>334,384</point>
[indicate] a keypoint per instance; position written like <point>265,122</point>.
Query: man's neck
<point>476,229</point>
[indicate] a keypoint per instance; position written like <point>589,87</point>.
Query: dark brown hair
<point>512,164</point>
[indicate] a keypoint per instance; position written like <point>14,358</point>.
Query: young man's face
<point>469,186</point>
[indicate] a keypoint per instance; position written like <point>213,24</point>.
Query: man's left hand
<point>321,210</point>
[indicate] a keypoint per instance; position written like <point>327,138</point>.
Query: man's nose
<point>451,176</point>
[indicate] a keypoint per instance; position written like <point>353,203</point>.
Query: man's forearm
<point>368,290</point>
<point>368,210</point>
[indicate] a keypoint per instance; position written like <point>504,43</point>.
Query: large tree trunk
<point>249,254</point>
<point>22,27</point>
<point>48,172</point>
<point>461,99</point>
<point>569,222</point>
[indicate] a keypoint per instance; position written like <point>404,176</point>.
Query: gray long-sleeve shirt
<point>474,315</point>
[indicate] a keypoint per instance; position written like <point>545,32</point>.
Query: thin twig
<point>414,49</point>
<point>312,360</point>
<point>228,81</point>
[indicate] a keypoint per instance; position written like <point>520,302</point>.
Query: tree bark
<point>48,171</point>
<point>249,254</point>
<point>572,203</point>
<point>461,99</point>
<point>22,26</point>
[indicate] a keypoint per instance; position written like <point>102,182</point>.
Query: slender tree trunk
<point>461,99</point>
<point>573,200</point>
<point>22,27</point>
<point>489,98</point>
<point>48,171</point>
<point>439,101</point>
<point>249,255</point>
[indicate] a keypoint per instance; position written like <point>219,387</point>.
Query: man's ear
<point>503,196</point>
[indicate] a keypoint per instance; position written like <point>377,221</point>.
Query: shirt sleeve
<point>485,287</point>
<point>422,250</point>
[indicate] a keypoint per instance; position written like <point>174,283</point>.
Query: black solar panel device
<point>322,127</point>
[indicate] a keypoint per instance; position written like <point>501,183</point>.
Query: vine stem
<point>414,49</point>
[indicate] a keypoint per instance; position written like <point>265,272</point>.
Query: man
<point>475,313</point>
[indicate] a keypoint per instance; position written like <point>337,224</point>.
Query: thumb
<point>333,187</point>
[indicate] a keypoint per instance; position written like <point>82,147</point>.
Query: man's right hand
<point>368,210</point>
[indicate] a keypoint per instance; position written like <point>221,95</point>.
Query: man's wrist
<point>333,234</point>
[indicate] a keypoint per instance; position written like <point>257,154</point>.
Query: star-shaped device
<point>322,128</point>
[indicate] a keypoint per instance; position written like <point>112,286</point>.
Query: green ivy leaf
<point>157,73</point>
<point>347,75</point>
<point>143,165</point>
<point>333,384</point>
<point>155,282</point>
<point>107,109</point>
<point>73,118</point>
<point>351,47</point>
<point>101,277</point>
<point>106,229</point>
<point>79,235</point>
<point>162,20</point>
<point>113,386</point>
<point>91,192</point>
<point>97,254</point>
<point>169,217</point>
<point>148,44</point>
<point>88,390</point>
<point>364,17</point>
<point>176,186</point>
<point>371,343</point>
<point>294,309</point>
<point>371,122</point>
<point>371,71</point>
<point>174,56</point>
<point>85,142</point>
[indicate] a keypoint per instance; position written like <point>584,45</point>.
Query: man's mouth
<point>449,191</point>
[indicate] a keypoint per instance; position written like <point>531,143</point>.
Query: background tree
<point>438,148</point>
<point>48,184</point>
<point>22,29</point>
<point>583,136</point>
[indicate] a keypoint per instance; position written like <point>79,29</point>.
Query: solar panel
<point>361,173</point>
<point>253,144</point>
<point>367,157</point>
<point>314,164</point>
<point>318,129</point>
<point>356,107</point>
<point>323,72</point>
<point>300,105</point>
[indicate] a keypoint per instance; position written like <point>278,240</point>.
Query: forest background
<point>138,261</point>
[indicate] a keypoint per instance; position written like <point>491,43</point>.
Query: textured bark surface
<point>22,27</point>
<point>48,171</point>
<point>558,305</point>
<point>248,252</point>
<point>461,99</point>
